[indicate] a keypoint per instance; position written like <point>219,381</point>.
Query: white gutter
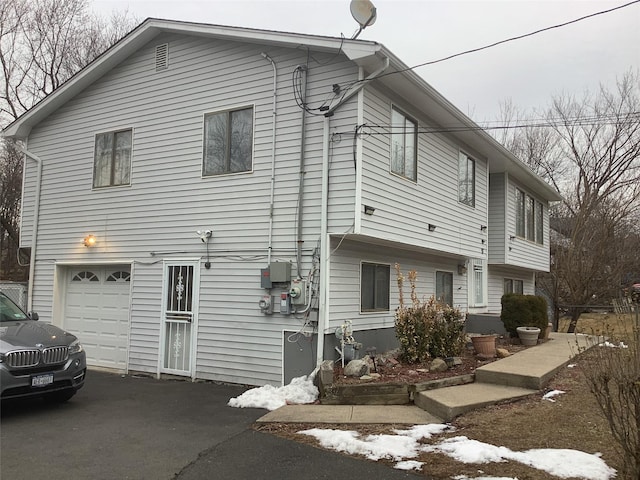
<point>323,310</point>
<point>34,228</point>
<point>273,156</point>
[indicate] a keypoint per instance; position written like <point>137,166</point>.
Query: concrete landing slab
<point>346,414</point>
<point>448,403</point>
<point>533,368</point>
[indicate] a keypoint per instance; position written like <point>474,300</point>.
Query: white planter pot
<point>528,335</point>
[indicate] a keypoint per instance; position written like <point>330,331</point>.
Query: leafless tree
<point>588,148</point>
<point>42,44</point>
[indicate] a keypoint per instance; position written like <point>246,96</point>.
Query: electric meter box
<point>280,272</point>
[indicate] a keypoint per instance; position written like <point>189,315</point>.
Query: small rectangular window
<point>374,287</point>
<point>466,180</point>
<point>112,159</point>
<point>404,138</point>
<point>444,287</point>
<point>228,142</point>
<point>520,222</point>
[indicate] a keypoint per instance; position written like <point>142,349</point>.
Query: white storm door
<point>181,285</point>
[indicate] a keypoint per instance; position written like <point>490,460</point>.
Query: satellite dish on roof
<point>364,13</point>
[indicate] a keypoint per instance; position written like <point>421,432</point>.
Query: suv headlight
<point>75,347</point>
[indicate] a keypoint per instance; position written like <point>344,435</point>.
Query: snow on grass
<point>562,463</point>
<point>553,393</point>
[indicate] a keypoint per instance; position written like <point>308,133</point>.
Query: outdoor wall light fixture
<point>368,210</point>
<point>432,227</point>
<point>462,269</point>
<point>89,241</point>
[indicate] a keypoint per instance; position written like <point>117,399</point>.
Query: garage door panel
<point>97,311</point>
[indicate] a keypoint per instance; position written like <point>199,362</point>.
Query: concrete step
<point>448,403</point>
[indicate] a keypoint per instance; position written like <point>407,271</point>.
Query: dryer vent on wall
<point>162,57</point>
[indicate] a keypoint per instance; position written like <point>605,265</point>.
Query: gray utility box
<point>276,272</point>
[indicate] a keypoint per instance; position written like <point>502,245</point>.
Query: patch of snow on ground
<point>464,477</point>
<point>409,465</point>
<point>562,463</point>
<point>301,390</point>
<point>374,447</point>
<point>553,393</point>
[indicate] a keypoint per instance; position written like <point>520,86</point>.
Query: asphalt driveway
<point>127,427</point>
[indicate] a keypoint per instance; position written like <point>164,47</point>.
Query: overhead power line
<point>511,39</point>
<point>595,120</point>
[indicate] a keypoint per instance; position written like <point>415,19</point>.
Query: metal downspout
<point>273,156</point>
<point>34,229</point>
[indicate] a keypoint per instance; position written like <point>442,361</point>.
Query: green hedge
<point>523,311</point>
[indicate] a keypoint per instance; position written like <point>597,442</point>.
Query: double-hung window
<point>374,287</point>
<point>112,159</point>
<point>466,180</point>
<point>228,142</point>
<point>529,217</point>
<point>404,138</point>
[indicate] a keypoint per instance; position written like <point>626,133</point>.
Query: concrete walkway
<point>519,375</point>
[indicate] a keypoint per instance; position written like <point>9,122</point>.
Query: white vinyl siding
<point>345,285</point>
<point>521,251</point>
<point>496,280</point>
<point>404,209</point>
<point>169,199</point>
<point>497,234</point>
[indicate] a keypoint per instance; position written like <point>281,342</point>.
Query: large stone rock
<point>438,365</point>
<point>356,368</point>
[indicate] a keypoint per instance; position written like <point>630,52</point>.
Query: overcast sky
<point>527,71</point>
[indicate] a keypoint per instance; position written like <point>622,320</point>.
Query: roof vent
<point>162,57</point>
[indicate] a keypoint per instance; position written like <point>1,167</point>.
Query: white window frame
<point>466,180</point>
<point>113,159</point>
<point>402,133</point>
<point>227,170</point>
<point>375,309</point>
<point>478,290</point>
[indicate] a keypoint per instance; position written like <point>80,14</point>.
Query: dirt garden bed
<point>392,382</point>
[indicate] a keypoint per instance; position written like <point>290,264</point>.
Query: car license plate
<point>42,380</point>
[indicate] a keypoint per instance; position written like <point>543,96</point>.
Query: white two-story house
<point>216,202</point>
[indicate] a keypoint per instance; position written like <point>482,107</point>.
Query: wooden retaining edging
<point>385,393</point>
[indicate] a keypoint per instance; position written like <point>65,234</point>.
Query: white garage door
<point>97,311</point>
